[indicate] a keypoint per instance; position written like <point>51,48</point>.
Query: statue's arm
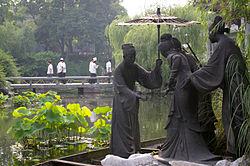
<point>122,88</point>
<point>150,79</point>
<point>175,65</point>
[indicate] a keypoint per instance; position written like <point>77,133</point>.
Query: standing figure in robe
<point>225,69</point>
<point>206,116</point>
<point>125,134</point>
<point>183,140</point>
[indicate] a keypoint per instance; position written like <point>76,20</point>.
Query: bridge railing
<point>57,80</point>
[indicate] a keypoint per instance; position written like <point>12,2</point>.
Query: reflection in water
<point>152,119</point>
<point>93,117</point>
<point>6,140</point>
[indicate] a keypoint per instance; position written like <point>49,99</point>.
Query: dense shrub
<point>36,64</point>
<point>8,64</point>
<point>2,77</point>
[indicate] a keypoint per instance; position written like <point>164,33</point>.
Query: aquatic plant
<point>31,99</point>
<point>3,99</point>
<point>43,123</point>
<point>220,140</point>
<point>102,129</point>
<point>237,80</point>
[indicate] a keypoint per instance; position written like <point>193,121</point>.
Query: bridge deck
<point>43,83</point>
<point>61,85</point>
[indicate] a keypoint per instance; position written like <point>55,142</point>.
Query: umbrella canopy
<point>159,19</point>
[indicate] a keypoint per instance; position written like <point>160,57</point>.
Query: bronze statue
<point>226,70</point>
<point>125,134</point>
<point>206,116</point>
<point>183,140</point>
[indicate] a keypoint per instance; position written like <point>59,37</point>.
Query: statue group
<point>188,128</point>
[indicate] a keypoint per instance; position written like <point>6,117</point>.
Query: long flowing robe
<point>216,74</point>
<point>183,140</point>
<point>206,116</point>
<point>125,134</point>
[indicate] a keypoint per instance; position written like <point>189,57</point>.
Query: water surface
<point>152,119</point>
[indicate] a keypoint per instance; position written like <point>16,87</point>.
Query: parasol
<point>159,19</point>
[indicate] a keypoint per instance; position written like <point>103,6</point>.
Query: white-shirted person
<point>92,69</point>
<point>61,69</point>
<point>50,69</point>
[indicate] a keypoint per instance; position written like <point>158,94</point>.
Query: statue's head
<point>176,44</point>
<point>129,53</point>
<point>217,27</point>
<point>166,44</point>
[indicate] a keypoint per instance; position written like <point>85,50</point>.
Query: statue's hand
<point>166,92</point>
<point>141,96</point>
<point>158,63</point>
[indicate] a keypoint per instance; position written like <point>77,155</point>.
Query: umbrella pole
<point>158,12</point>
<point>158,28</point>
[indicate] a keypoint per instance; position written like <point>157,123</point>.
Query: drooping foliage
<point>145,38</point>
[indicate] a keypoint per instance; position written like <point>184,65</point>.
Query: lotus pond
<point>46,126</point>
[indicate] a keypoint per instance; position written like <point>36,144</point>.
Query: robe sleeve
<point>210,76</point>
<point>124,95</point>
<point>149,79</point>
<point>175,62</point>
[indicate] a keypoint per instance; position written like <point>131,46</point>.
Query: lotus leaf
<point>103,130</point>
<point>82,130</point>
<point>46,99</point>
<point>100,123</point>
<point>48,105</point>
<point>69,118</point>
<point>40,139</point>
<point>73,126</point>
<point>26,125</point>
<point>82,120</point>
<point>58,97</point>
<point>86,111</point>
<point>19,134</point>
<point>74,108</point>
<point>62,110</point>
<point>52,116</point>
<point>102,110</point>
<point>21,111</point>
<point>53,93</point>
<point>38,126</point>
<point>50,131</point>
<point>92,130</point>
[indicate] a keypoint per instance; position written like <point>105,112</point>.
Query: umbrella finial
<point>158,11</point>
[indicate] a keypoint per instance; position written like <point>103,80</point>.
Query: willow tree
<point>115,35</point>
<point>145,38</point>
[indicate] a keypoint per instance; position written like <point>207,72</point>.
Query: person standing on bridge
<point>50,69</point>
<point>108,69</point>
<point>92,69</point>
<point>61,69</point>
